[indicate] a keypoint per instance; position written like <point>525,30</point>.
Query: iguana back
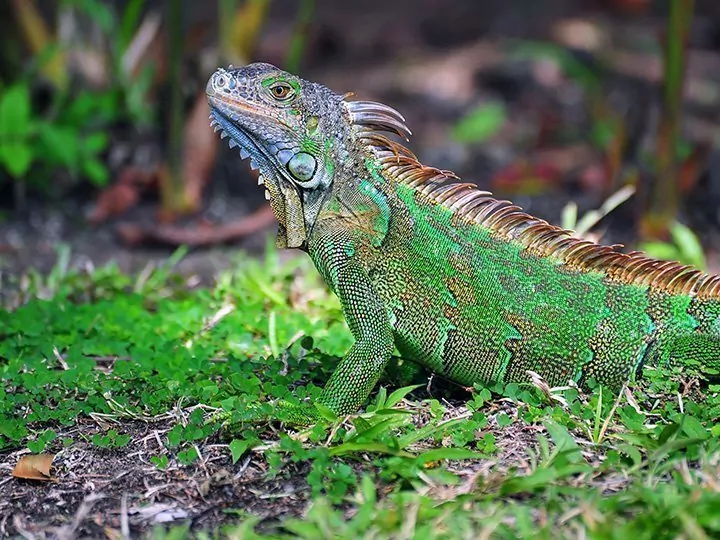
<point>469,286</point>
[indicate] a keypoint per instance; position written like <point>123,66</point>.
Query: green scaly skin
<point>466,285</point>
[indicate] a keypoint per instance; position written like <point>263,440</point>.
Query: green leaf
<point>381,398</point>
<point>129,22</point>
<point>370,447</point>
<point>379,428</point>
<point>660,250</point>
<point>17,158</point>
<point>632,452</point>
<point>14,112</point>
<point>537,479</point>
<point>692,427</point>
<point>689,245</point>
<point>100,13</point>
<point>61,144</point>
<point>413,436</point>
<point>439,454</point>
<point>561,436</point>
<point>361,424</point>
<point>96,142</point>
<point>186,457</point>
<point>96,171</point>
<point>399,394</point>
<point>238,448</point>
<point>480,124</point>
<point>16,153</point>
<point>326,412</point>
<point>161,462</point>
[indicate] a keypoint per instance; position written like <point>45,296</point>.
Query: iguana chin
<point>465,284</point>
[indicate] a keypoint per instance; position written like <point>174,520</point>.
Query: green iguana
<point>465,284</point>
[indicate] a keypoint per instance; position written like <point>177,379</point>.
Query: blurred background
<point>599,115</point>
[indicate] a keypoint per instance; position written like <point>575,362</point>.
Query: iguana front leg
<point>358,372</point>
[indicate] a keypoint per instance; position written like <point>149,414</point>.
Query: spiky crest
<point>508,222</point>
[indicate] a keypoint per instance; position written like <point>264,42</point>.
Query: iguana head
<point>290,129</point>
<point>297,133</point>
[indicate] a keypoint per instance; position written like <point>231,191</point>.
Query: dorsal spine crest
<point>509,222</point>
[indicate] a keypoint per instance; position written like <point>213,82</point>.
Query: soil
<point>98,493</point>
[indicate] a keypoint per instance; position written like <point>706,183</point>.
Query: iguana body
<point>469,286</point>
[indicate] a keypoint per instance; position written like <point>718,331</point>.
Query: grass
<point>127,369</point>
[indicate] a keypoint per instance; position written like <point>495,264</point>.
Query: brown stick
<point>259,220</point>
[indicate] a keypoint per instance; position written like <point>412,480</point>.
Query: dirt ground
<point>100,493</point>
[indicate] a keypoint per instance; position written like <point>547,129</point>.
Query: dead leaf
<point>133,234</point>
<point>199,149</point>
<point>123,194</point>
<point>34,467</point>
<point>240,34</point>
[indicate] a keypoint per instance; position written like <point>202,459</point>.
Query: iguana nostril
<point>210,87</point>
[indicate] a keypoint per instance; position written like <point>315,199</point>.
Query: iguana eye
<point>282,91</point>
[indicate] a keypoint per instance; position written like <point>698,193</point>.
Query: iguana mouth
<point>248,148</point>
<point>285,199</point>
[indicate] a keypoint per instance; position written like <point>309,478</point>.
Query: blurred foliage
<point>40,42</point>
<point>296,48</point>
<point>69,130</point>
<point>70,135</point>
<point>661,206</point>
<point>611,131</point>
<point>683,246</point>
<point>95,66</point>
<point>126,74</point>
<point>240,24</point>
<point>480,124</point>
<point>590,219</point>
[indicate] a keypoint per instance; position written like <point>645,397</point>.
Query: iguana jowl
<point>468,285</point>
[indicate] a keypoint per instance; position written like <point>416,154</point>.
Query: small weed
<point>684,247</point>
<point>110,439</point>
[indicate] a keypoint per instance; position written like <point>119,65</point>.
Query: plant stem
<point>172,189</point>
<point>661,210</point>
<point>299,37</point>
